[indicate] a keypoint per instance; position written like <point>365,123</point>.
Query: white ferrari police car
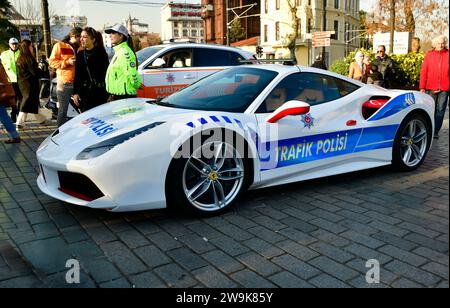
<point>247,127</point>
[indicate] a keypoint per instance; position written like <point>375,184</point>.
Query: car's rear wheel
<point>412,143</point>
<point>210,180</point>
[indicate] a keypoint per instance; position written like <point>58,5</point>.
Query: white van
<point>166,69</point>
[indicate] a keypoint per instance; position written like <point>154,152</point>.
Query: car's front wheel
<point>210,180</point>
<point>412,143</point>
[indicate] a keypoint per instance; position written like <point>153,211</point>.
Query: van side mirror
<point>159,63</point>
<point>290,108</point>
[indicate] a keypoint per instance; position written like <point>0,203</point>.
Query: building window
<point>298,2</point>
<point>299,29</point>
<point>185,32</point>
<point>336,30</point>
<point>202,33</point>
<point>277,4</point>
<point>336,4</point>
<point>309,25</point>
<point>266,6</point>
<point>277,31</point>
<point>194,33</point>
<point>175,24</point>
<point>176,33</point>
<point>309,2</point>
<point>185,24</point>
<point>265,34</point>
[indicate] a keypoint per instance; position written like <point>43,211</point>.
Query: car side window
<point>178,58</point>
<point>312,88</point>
<point>211,57</point>
<point>235,58</point>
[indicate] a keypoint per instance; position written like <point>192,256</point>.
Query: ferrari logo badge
<point>308,120</point>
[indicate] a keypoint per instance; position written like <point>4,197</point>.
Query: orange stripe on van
<point>150,72</point>
<point>159,91</point>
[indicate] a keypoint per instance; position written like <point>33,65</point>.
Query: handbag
<point>92,83</point>
<point>7,94</point>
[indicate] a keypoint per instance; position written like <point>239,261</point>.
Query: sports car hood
<point>111,120</point>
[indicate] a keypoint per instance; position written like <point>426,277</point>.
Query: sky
<point>101,13</point>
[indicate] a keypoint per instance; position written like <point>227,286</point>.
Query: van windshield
<point>144,54</point>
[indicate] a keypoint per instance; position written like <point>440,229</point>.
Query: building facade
<point>182,21</point>
<point>277,20</point>
<point>214,13</point>
<point>70,21</point>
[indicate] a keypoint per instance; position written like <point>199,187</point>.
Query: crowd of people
<point>434,75</point>
<point>85,76</point>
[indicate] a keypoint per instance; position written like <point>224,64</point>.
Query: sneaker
<point>13,140</point>
<point>46,123</point>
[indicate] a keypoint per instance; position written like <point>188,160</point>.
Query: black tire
<point>176,193</point>
<point>403,141</point>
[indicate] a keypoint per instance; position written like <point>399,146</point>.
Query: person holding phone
<point>63,59</point>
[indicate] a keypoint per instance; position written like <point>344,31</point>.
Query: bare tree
<point>292,37</point>
<point>30,11</point>
<point>431,16</point>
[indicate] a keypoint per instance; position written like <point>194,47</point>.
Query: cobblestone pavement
<point>313,234</point>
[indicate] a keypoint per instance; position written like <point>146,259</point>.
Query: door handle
<point>352,123</point>
<point>189,76</point>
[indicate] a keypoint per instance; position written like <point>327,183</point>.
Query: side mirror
<point>290,108</point>
<point>158,63</point>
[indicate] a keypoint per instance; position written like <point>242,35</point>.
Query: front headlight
<point>105,146</point>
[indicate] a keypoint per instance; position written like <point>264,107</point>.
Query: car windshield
<point>231,90</point>
<point>144,54</point>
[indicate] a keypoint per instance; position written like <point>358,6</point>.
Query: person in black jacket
<point>90,71</point>
<point>319,63</point>
<point>28,74</point>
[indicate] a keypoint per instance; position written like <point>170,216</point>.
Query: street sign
<point>322,42</point>
<point>321,38</point>
<point>25,34</point>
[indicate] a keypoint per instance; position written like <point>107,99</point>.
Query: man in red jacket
<point>434,79</point>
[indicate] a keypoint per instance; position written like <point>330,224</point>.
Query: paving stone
<point>175,277</point>
<point>164,241</point>
<point>187,258</point>
<point>222,261</point>
<point>249,279</point>
<point>299,251</point>
<point>287,280</point>
<point>101,270</point>
<point>335,269</point>
<point>296,267</point>
<point>133,239</point>
<point>258,264</point>
<point>212,278</point>
<point>229,246</point>
<point>123,258</point>
<point>403,255</point>
<point>413,273</point>
<point>146,280</point>
<point>326,281</point>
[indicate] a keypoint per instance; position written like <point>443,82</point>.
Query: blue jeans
<point>441,100</point>
<point>64,92</point>
<point>8,123</point>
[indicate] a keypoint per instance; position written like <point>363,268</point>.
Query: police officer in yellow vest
<point>9,59</point>
<point>122,78</point>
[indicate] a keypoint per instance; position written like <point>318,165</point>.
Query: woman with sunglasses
<point>90,71</point>
<point>122,78</point>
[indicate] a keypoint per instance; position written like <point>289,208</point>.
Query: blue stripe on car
<point>394,106</point>
<point>305,149</point>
